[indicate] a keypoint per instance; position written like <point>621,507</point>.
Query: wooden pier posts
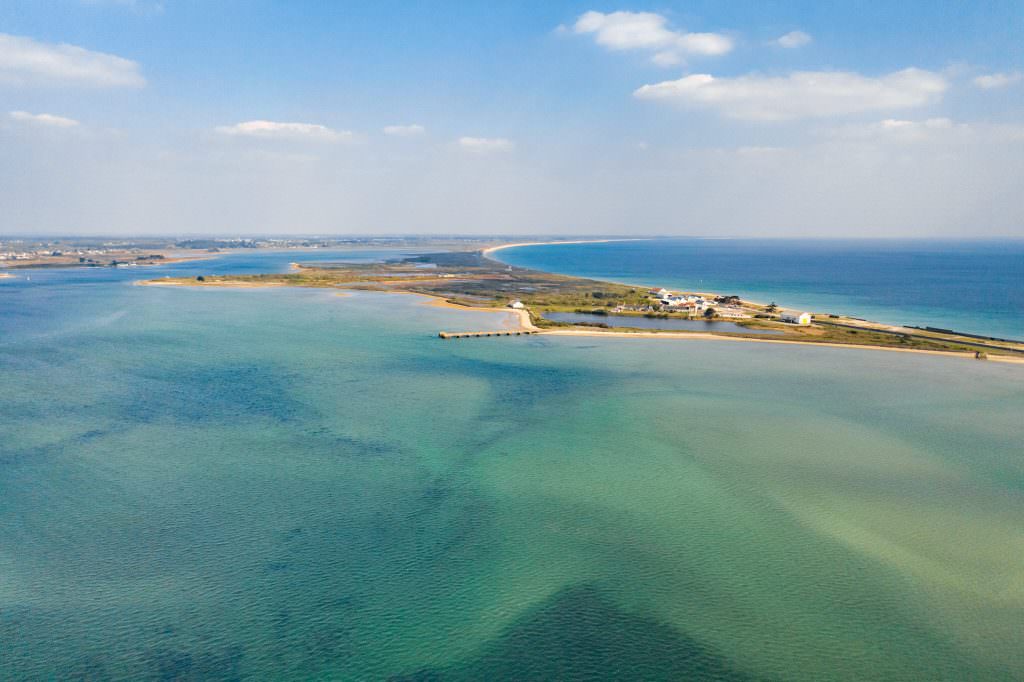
<point>466,335</point>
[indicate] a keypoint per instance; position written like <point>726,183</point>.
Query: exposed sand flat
<point>232,284</point>
<point>522,316</point>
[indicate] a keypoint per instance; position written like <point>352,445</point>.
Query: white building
<point>796,318</point>
<point>732,313</point>
<point>518,305</point>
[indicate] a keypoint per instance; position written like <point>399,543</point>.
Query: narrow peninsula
<point>553,304</point>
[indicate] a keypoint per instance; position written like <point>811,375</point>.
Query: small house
<point>802,319</point>
<point>518,305</point>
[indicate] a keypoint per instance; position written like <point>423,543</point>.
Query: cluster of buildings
<point>724,306</point>
<point>48,253</point>
<point>27,255</point>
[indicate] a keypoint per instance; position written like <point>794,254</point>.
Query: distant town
<point>118,252</point>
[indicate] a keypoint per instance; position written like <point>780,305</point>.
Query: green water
<point>275,484</point>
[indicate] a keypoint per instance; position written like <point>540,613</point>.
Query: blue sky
<point>766,118</point>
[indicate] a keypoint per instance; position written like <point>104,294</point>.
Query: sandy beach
<point>491,249</point>
<point>520,319</point>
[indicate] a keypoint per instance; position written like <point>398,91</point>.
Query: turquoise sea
<point>229,484</point>
<point>969,286</point>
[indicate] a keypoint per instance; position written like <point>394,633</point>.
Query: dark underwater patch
<point>579,634</point>
<point>219,664</point>
<point>213,393</point>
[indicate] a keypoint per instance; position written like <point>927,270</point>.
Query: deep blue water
<point>975,287</point>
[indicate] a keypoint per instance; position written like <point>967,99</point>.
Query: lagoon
<point>641,322</point>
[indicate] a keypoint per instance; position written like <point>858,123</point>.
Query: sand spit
<point>521,321</point>
<point>491,249</point>
<point>233,284</point>
<point>717,337</point>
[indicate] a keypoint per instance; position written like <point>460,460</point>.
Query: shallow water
<point>282,483</point>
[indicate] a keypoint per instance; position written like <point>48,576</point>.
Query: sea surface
<point>975,287</point>
<point>283,483</point>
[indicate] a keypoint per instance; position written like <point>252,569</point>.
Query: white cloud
<point>899,130</point>
<point>404,130</point>
<point>801,94</point>
<point>43,119</point>
<point>794,39</point>
<point>292,131</point>
<point>932,130</point>
<point>958,185</point>
<point>997,80</point>
<point>24,61</point>
<point>928,124</point>
<point>620,31</point>
<point>483,145</point>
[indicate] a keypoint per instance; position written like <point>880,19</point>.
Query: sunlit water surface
<point>282,483</point>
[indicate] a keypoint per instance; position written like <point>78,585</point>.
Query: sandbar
<point>491,249</point>
<point>704,336</point>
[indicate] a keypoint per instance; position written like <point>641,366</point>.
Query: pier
<point>466,335</point>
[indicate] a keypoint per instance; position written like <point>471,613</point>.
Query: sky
<point>769,118</point>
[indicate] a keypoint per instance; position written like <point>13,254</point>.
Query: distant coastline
<point>492,249</point>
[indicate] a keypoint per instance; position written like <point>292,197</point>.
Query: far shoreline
<point>486,253</point>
